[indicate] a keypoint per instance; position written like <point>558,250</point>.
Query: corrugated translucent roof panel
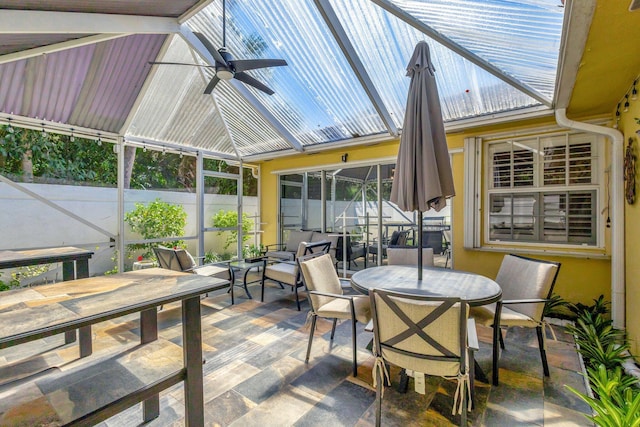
<point>385,44</point>
<point>174,110</point>
<point>92,86</point>
<point>317,98</point>
<point>250,132</point>
<point>522,38</point>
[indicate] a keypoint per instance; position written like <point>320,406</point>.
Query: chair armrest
<point>472,335</point>
<point>274,246</point>
<point>369,326</point>
<point>524,301</point>
<point>345,283</point>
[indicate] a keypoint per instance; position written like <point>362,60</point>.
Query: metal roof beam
<point>360,72</point>
<point>197,45</point>
<point>69,44</point>
<point>460,50</point>
<point>40,22</point>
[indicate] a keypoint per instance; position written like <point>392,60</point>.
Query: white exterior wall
<point>29,223</point>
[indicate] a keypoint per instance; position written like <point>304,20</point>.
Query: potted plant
<point>253,253</point>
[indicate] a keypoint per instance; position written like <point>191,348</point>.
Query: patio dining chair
<point>178,259</point>
<point>326,299</point>
<point>409,256</point>
<point>287,272</point>
<point>426,335</point>
<point>398,238</point>
<point>526,284</point>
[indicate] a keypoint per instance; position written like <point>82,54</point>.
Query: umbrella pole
<point>419,245</point>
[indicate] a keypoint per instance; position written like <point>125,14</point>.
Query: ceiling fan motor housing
<point>225,72</point>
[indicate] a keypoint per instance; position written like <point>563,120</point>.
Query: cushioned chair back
<point>402,238</point>
<point>394,238</point>
<point>296,237</point>
<point>432,239</point>
<point>525,278</point>
<point>409,256</point>
<point>167,258</point>
<point>186,260</point>
<point>308,248</point>
<point>319,275</point>
<point>420,333</point>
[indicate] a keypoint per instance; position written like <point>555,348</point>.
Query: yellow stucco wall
<point>628,127</point>
<point>580,279</point>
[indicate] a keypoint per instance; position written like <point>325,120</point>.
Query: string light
<point>634,91</point>
<point>10,127</point>
<point>44,132</point>
<point>180,153</point>
<point>164,151</point>
<point>615,125</point>
<point>626,103</point>
<point>144,148</point>
<point>99,140</point>
<point>72,138</point>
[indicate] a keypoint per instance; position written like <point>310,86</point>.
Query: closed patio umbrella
<point>423,179</point>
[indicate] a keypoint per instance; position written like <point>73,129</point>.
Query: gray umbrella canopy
<point>423,179</point>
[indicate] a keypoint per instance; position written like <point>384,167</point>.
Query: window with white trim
<point>543,189</point>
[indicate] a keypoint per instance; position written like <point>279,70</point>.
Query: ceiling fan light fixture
<point>224,74</point>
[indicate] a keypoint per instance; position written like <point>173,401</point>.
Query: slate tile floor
<point>255,374</point>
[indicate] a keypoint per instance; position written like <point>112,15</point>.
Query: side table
<point>246,266</point>
<point>145,263</point>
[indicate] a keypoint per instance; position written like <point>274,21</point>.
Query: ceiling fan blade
<point>252,64</point>
<point>212,84</point>
<point>212,50</point>
<point>246,78</point>
<point>179,63</point>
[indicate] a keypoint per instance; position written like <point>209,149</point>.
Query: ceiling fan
<point>226,66</point>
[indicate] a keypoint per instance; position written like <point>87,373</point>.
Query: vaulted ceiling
<point>84,67</point>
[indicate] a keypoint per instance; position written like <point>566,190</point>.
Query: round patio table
<point>472,288</point>
<point>437,282</point>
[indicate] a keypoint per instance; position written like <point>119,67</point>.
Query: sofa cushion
<point>295,238</point>
<point>283,272</point>
<point>283,255</point>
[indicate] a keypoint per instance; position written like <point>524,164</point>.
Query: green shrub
<point>617,401</point>
<point>556,307</point>
<point>228,219</point>
<point>156,220</point>
<point>604,349</point>
<point>23,273</point>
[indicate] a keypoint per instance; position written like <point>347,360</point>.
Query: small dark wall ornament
<point>630,173</point>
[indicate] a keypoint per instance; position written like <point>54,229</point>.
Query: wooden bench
<point>92,390</point>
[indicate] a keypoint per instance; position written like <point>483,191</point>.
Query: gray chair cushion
<point>295,238</point>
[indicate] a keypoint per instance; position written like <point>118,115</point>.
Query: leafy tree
<point>228,219</point>
<point>32,154</point>
<point>156,220</point>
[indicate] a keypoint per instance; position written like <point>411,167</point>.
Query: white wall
<point>26,222</point>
